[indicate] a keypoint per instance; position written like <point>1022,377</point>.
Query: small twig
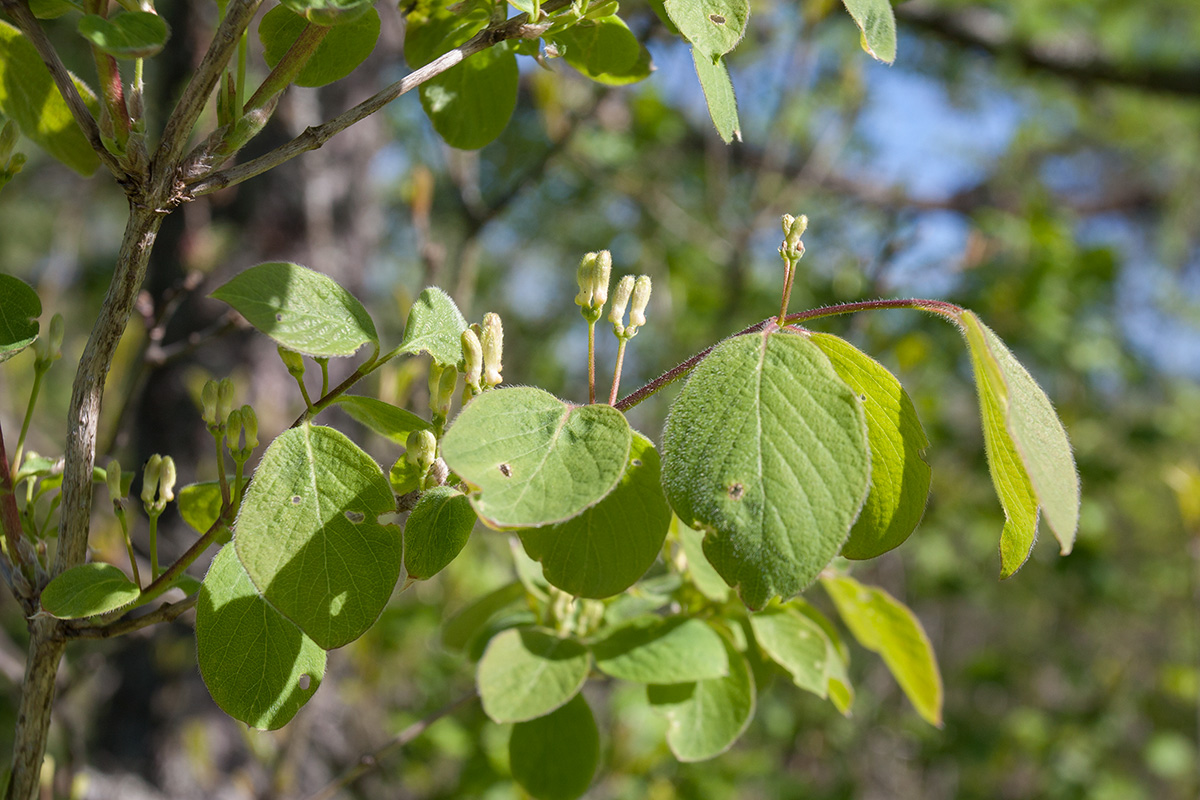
<point>371,761</point>
<point>164,613</point>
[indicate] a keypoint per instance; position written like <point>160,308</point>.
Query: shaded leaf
<point>329,12</point>
<point>20,308</point>
<point>554,757</point>
<point>338,54</point>
<point>604,550</point>
<point>87,590</point>
<point>470,103</point>
<point>706,579</point>
<point>436,531</point>
<point>258,666</point>
<point>300,309</point>
<point>662,650</point>
<point>604,50</point>
<point>526,673</point>
<point>434,326</point>
<point>532,459</point>
<point>385,419</point>
<point>128,34</point>
<point>200,503</point>
<point>466,622</point>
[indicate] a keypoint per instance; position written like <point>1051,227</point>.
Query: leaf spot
<point>736,491</point>
<point>637,462</point>
<point>305,682</point>
<point>295,499</point>
<point>862,397</point>
<point>717,19</point>
<point>355,516</point>
<point>506,470</point>
<point>279,317</point>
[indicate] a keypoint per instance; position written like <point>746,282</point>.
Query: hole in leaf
<point>355,516</point>
<point>736,491</point>
<point>717,19</point>
<point>637,462</point>
<point>506,470</point>
<point>296,500</point>
<point>305,682</point>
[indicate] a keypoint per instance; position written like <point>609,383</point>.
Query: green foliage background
<point>1063,209</point>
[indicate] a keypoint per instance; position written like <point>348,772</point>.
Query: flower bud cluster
<point>634,292</point>
<point>593,276</point>
<point>158,484</point>
<point>792,249</point>
<point>241,433</point>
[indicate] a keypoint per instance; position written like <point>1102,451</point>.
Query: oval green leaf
<point>1028,452</point>
<point>532,459</point>
<point>29,97</point>
<point>877,22</point>
<point>796,643</point>
<point>200,503</point>
<point>300,309</point>
<point>604,50</point>
<point>899,473</point>
<point>554,757</point>
<point>765,450</point>
<point>718,92</point>
<point>338,54</point>
<point>470,103</point>
<point>704,577</point>
<point>526,673</point>
<point>19,310</point>
<point>662,650</point>
<point>604,550</point>
<point>87,590</point>
<point>329,12</point>
<point>714,27</point>
<point>436,531</point>
<point>389,421</point>
<point>258,666</point>
<point>434,326</point>
<point>129,34</point>
<point>309,537</point>
<point>706,717</point>
<point>468,621</point>
<point>885,626</point>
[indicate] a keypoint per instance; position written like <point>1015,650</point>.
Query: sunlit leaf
<point>339,53</point>
<point>605,50</point>
<point>385,419</point>
<point>87,590</point>
<point>718,91</point>
<point>877,22</point>
<point>526,673</point>
<point>127,34</point>
<point>714,27</point>
<point>436,531</point>
<point>330,12</point>
<point>434,326</point>
<point>654,649</point>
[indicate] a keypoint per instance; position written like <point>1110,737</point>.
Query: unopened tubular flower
<point>472,358</point>
<point>493,350</point>
<point>208,399</point>
<point>224,398</point>
<point>595,270</point>
<point>150,478</point>
<point>250,424</point>
<point>620,300</point>
<point>641,296</point>
<point>166,480</point>
<point>113,479</point>
<point>421,450</point>
<point>583,277</point>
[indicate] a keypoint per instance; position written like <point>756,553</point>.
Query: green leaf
<point>29,97</point>
<point>19,311</point>
<point>526,673</point>
<point>385,419</point>
<point>839,688</point>
<point>87,590</point>
<point>258,666</point>
<point>309,538</point>
<point>706,717</point>
<point>718,92</point>
<point>706,579</point>
<point>1028,452</point>
<point>330,12</point>
<point>554,757</point>
<point>300,309</point>
<point>899,474</point>
<point>470,103</point>
<point>53,9</point>
<point>200,503</point>
<point>468,621</point>
<point>338,54</point>
<point>714,27</point>
<point>532,459</point>
<point>436,531</point>
<point>604,550</point>
<point>604,50</point>
<point>431,30</point>
<point>796,643</point>
<point>128,34</point>
<point>885,626</point>
<point>652,649</point>
<point>434,326</point>
<point>765,450</point>
<point>877,22</point>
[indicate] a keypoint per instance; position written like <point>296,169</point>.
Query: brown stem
<point>288,67</point>
<point>10,516</point>
<point>46,646</point>
<point>164,613</point>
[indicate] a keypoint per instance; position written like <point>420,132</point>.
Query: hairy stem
<point>616,383</point>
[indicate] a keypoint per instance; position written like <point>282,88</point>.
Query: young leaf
<point>434,326</point>
<point>885,626</point>
<point>652,649</point>
<point>532,459</point>
<point>604,550</point>
<point>128,34</point>
<point>837,661</point>
<point>706,579</point>
<point>706,717</point>
<point>300,309</point>
<point>796,643</point>
<point>465,623</point>
<point>51,9</point>
<point>877,22</point>
<point>436,531</point>
<point>1028,453</point>
<point>258,666</point>
<point>554,757</point>
<point>718,91</point>
<point>470,103</point>
<point>899,474</point>
<point>19,310</point>
<point>765,450</point>
<point>309,538</point>
<point>338,54</point>
<point>713,27</point>
<point>87,590</point>
<point>604,50</point>
<point>526,673</point>
<point>29,97</point>
<point>200,503</point>
<point>330,12</point>
<point>384,418</point>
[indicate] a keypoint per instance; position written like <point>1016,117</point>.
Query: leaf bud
<point>421,449</point>
<point>208,399</point>
<point>793,228</point>
<point>293,361</point>
<point>472,359</point>
<point>493,349</point>
<point>113,479</point>
<point>224,398</point>
<point>641,296</point>
<point>250,425</point>
<point>150,478</point>
<point>166,481</point>
<point>620,300</point>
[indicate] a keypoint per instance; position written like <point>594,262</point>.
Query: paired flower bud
<point>637,290</point>
<point>793,228</point>
<point>442,381</point>
<point>492,341</point>
<point>48,348</point>
<point>208,401</point>
<point>593,275</point>
<point>421,450</point>
<point>158,484</point>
